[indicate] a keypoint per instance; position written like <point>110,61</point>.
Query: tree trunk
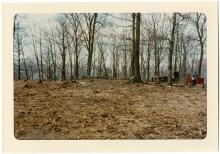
<point>63,55</point>
<point>142,62</point>
<point>125,65</point>
<point>49,70</point>
<point>77,67</point>
<point>180,67</point>
<point>63,67</point>
<point>176,50</point>
<point>137,78</point>
<point>200,35</point>
<point>155,52</point>
<point>133,45</point>
<point>41,58</point>
<point>171,42</point>
<point>54,69</point>
<point>36,56</point>
<point>193,61</point>
<point>76,70</point>
<point>158,64</point>
<point>100,65</point>
<point>148,62</point>
<point>71,65</point>
<point>200,60</point>
<point>32,73</point>
<point>19,57</point>
<point>53,53</point>
<point>184,59</point>
<point>89,63</point>
<point>114,75</point>
<point>38,66</point>
<point>14,28</point>
<point>91,43</point>
<point>93,64</point>
<point>25,66</point>
<point>103,64</point>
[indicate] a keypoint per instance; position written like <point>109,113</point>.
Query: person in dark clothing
<point>194,79</point>
<point>176,77</point>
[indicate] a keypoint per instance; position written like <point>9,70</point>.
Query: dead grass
<point>108,109</point>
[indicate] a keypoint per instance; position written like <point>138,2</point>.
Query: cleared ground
<point>108,109</point>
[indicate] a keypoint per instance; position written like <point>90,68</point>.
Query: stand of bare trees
<point>76,45</point>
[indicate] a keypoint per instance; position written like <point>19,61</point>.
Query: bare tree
<point>125,65</point>
<point>171,49</point>
<point>89,36</point>
<point>49,65</point>
<point>41,57</point>
<point>137,74</point>
<point>76,34</point>
<point>156,52</point>
<point>24,62</point>
<point>115,49</point>
<point>18,40</point>
<point>148,61</point>
<point>17,36</point>
<point>133,44</point>
<point>200,27</point>
<point>62,42</point>
<point>176,48</point>
<point>183,46</point>
<point>34,44</point>
<point>102,58</point>
<point>49,38</point>
<point>53,54</point>
<point>149,44</point>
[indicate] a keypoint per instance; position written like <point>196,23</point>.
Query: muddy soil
<point>108,109</point>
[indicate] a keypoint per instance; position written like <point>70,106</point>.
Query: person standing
<point>194,79</point>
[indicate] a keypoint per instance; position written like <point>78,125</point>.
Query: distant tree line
<point>77,45</point>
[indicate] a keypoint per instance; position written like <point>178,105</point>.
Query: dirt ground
<point>108,109</point>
